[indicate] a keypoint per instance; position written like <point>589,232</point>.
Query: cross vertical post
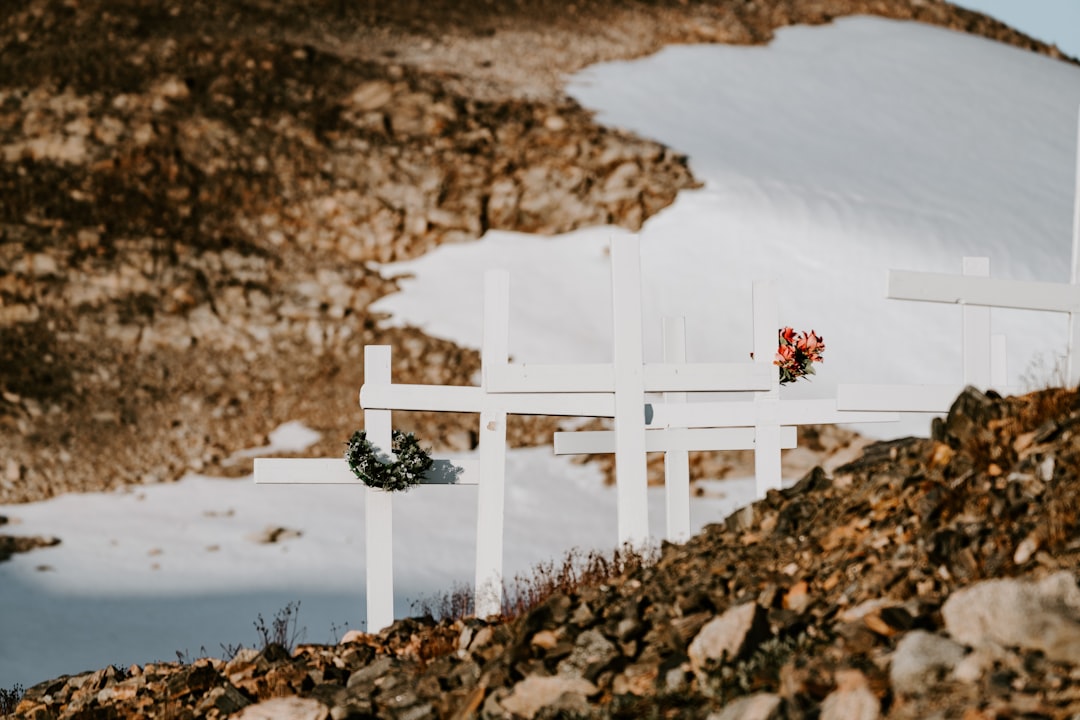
<point>999,362</point>
<point>1072,368</point>
<point>491,498</point>
<point>976,324</point>
<point>676,461</point>
<point>630,467</point>
<point>378,505</point>
<point>767,472</point>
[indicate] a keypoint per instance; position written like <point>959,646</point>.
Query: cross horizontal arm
<point>743,413</point>
<point>439,398</point>
<point>708,377</point>
<point>540,378</point>
<point>658,377</point>
<point>901,398</point>
<point>967,290</point>
<point>335,471</point>
<point>436,398</point>
<point>681,439</point>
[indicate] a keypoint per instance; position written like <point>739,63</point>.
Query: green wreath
<point>408,470</point>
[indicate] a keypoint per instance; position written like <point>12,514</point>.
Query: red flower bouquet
<point>797,354</point>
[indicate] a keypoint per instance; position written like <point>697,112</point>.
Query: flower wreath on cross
<point>401,474</point>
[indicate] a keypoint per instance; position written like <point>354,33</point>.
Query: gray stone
<point>763,706</point>
<point>1042,615</point>
<point>369,674</point>
<point>727,636</point>
<point>226,698</point>
<point>536,692</point>
<point>592,653</point>
<point>920,659</point>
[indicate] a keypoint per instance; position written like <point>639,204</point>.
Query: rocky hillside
<point>930,578</point>
<point>193,197</point>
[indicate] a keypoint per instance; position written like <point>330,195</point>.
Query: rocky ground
<point>193,197</point>
<point>929,578</point>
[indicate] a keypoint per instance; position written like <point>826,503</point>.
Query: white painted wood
<point>443,398</point>
<point>767,465</point>
<point>676,460</point>
<point>976,330</point>
<point>984,357</point>
<point>1072,362</point>
<point>767,470</point>
<point>999,363</point>
<point>598,442</point>
<point>707,377</point>
<point>742,413</point>
<point>897,398</point>
<point>1018,294</point>
<point>543,378</point>
<point>658,377</point>
<point>335,471</point>
<point>378,504</point>
<point>436,398</point>
<point>630,468</point>
<point>491,499</point>
<point>1072,354</point>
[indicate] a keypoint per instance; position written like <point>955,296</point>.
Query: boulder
<point>1039,615</point>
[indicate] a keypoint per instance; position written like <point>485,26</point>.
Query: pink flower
<point>797,354</point>
<point>811,343</point>
<point>784,355</point>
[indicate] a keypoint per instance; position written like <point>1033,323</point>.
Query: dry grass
<point>9,699</point>
<point>577,569</point>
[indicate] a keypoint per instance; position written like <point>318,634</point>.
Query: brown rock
<point>535,692</point>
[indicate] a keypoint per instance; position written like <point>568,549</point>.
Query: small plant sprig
<point>283,629</point>
<point>797,354</point>
<point>9,699</point>
<point>405,472</point>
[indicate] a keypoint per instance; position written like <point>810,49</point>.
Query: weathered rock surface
<point>1010,612</point>
<point>838,598</point>
<point>922,659</point>
<point>852,699</point>
<point>192,197</point>
<point>535,693</point>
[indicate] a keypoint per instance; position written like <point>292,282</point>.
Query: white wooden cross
<point>626,380</point>
<point>379,396</point>
<point>1072,367</point>
<point>765,423</point>
<point>378,506</point>
<point>983,354</point>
